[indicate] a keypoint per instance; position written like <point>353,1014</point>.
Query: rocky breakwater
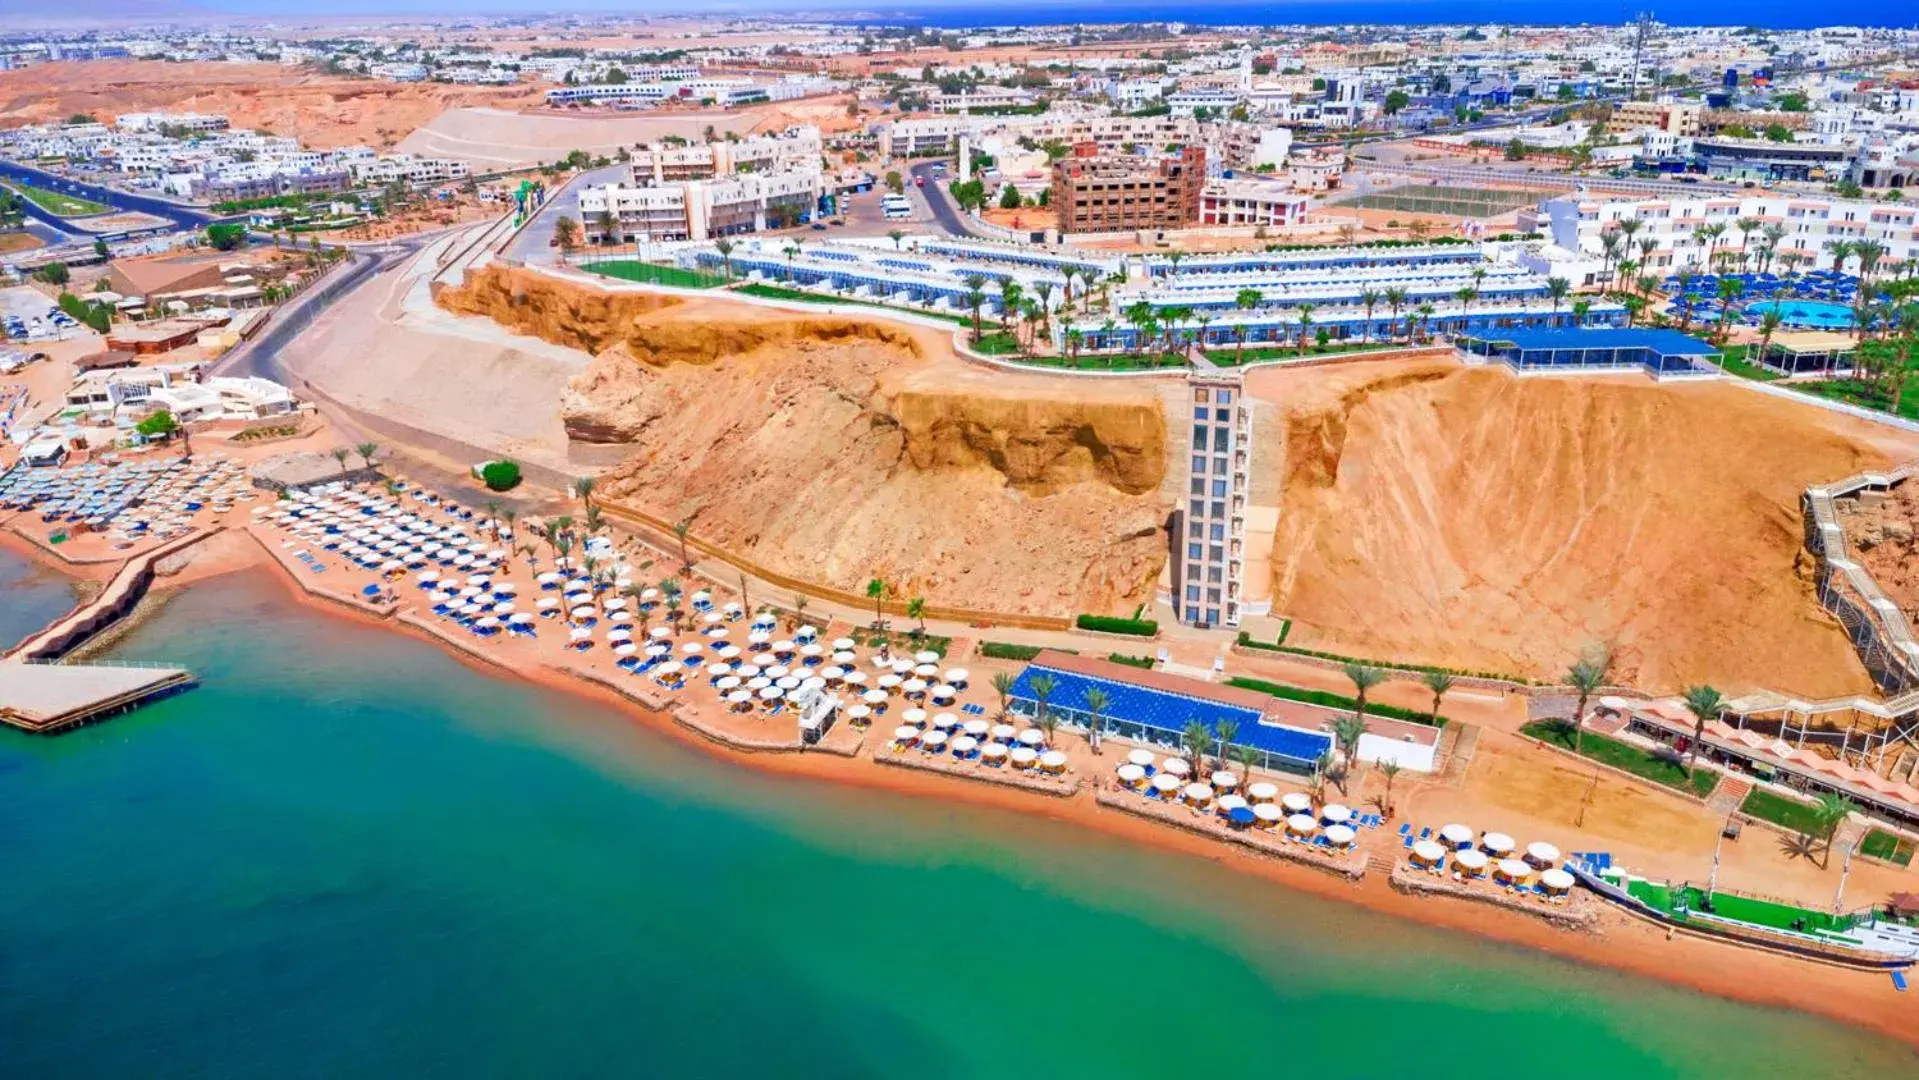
<point>836,450</point>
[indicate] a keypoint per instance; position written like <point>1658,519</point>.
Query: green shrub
<point>1130,661</point>
<point>500,475</point>
<point>1335,701</point>
<point>1388,665</point>
<point>1107,624</point>
<point>1880,844</point>
<point>1000,650</point>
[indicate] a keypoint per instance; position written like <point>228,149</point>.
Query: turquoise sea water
<point>30,597</point>
<point>348,855</point>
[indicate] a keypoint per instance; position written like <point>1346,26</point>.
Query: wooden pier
<point>49,698</point>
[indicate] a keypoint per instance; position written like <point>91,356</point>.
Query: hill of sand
<point>496,137</point>
<point>833,450</point>
<point>1471,518</point>
<point>1883,539</point>
<point>320,110</point>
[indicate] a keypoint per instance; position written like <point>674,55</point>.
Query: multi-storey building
<point>1209,574</point>
<point>1101,193</point>
<point>659,163</point>
<point>1677,118</point>
<point>1681,227</point>
<point>1251,203</point>
<point>699,209</point>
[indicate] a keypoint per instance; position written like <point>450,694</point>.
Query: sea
<point>346,854</point>
<point>30,598</point>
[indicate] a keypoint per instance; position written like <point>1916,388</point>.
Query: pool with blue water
<point>1806,314</point>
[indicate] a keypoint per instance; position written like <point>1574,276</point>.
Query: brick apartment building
<point>1101,193</point>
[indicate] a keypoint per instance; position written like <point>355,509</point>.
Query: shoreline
<point>1617,941</point>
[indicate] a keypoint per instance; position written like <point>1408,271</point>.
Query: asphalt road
<point>945,215</point>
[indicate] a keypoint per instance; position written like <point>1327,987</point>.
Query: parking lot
<point>27,315</point>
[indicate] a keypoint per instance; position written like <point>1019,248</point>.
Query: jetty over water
<point>46,698</point>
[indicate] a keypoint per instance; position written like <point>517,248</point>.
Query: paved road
<point>185,217</point>
<point>1470,175</point>
<point>945,215</point>
<point>534,244</point>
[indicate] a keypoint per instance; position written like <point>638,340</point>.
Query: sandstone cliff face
<point>834,450</point>
<point>1466,517</point>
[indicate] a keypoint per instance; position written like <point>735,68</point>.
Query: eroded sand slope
<point>1470,518</point>
<point>834,450</point>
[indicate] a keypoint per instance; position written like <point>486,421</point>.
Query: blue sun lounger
<point>1899,981</point>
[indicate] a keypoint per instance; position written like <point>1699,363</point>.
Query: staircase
<point>1379,863</point>
<point>1455,751</point>
<point>1730,795</point>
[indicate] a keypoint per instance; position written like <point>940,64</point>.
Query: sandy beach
<point>1621,941</point>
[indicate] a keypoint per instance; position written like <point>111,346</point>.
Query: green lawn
<point>1622,755</point>
<point>1736,362</point>
<point>1782,811</point>
<point>54,202</point>
<point>1227,356</point>
<point>1743,908</point>
<point>996,343</point>
<point>781,292</point>
<point>1864,394</point>
<point>654,274</point>
<point>1108,361</point>
<point>1880,844</point>
<point>1334,701</point>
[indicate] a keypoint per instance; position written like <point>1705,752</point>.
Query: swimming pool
<point>1808,314</point>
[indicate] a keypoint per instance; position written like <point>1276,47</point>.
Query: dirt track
<point>1476,519</point>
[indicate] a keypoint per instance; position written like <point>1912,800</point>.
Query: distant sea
<point>347,855</point>
<point>30,597</point>
<point>1764,13</point>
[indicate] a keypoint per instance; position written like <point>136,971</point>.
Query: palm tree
<point>1705,703</point>
<point>877,589</point>
<point>975,299</point>
<point>1346,733</point>
<point>1043,687</point>
<point>1768,325</point>
<point>1364,678</point>
<point>566,233</point>
<point>1840,250</point>
<point>1425,314</point>
<point>1609,250</point>
<point>1588,674</point>
<point>898,236</point>
<point>1438,682</point>
<point>340,454</point>
<point>1869,253</point>
<point>1009,298</point>
<point>583,487</point>
<point>1395,299</point>
<point>1774,233</point>
<point>1075,340</point>
<point>799,609</point>
<point>1246,300</point>
<point>366,450</point>
<point>1830,812</point>
<point>916,609</point>
<point>1368,298</point>
<point>1388,769</point>
<point>1096,702</point>
<point>1466,295</point>
<point>1558,288</point>
<point>1246,756</point>
<point>1321,765</point>
<point>1223,734</point>
<point>1305,324</point>
<point>725,248</point>
<point>1728,289</point>
<point>1198,741</point>
<point>680,529</point>
<point>1003,683</point>
<point>1746,226</point>
<point>670,588</point>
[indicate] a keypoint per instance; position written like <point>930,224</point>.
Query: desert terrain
<point>1471,518</point>
<point>498,137</point>
<point>1882,538</point>
<point>835,450</point>
<point>322,111</point>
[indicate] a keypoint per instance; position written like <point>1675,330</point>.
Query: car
<point>919,181</point>
<point>819,226</point>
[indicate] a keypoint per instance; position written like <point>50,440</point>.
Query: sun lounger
<point>1406,829</point>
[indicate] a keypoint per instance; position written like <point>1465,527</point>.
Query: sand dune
<point>1471,518</point>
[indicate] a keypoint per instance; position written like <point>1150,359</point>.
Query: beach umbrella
<point>927,656</point>
<point>1223,780</point>
<point>620,617</point>
<point>843,644</point>
<point>914,716</point>
<point>1470,860</point>
<point>758,682</point>
<point>902,668</point>
<point>1262,792</point>
<point>855,678</point>
<point>1176,766</point>
<point>782,647</point>
<point>1142,758</point>
<point>1340,835</point>
<point>619,634</point>
<point>933,739</point>
<point>1033,737</point>
<point>520,618</point>
<point>914,686</point>
<point>548,603</point>
<point>1424,851</point>
<point>758,637</point>
<point>844,657</point>
<point>1197,793</point>
<point>994,750</point>
<point>1267,813</point>
<point>957,676</point>
<point>1335,814</point>
<point>771,693</point>
<point>1498,845</point>
<point>1456,835</point>
<point>617,603</point>
<point>660,633</point>
<point>832,674</point>
<point>942,692</point>
<point>692,648</point>
<point>728,652</point>
<point>625,648</point>
<point>926,671</point>
<point>812,682</point>
<point>579,633</point>
<point>810,650</point>
<point>1540,853</point>
<point>858,712</point>
<point>945,720</point>
<point>965,744</point>
<point>787,682</point>
<point>728,682</point>
<point>1303,824</point>
<point>740,697</point>
<point>504,607</point>
<point>975,727</point>
<point>1228,802</point>
<point>888,681</point>
<point>1024,756</point>
<point>905,733</point>
<point>776,670</point>
<point>874,697</point>
<point>657,651</point>
<point>1515,869</point>
<point>1131,774</point>
<point>1053,761</point>
<point>1556,880</point>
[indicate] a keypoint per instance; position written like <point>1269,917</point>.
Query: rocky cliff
<point>833,450</point>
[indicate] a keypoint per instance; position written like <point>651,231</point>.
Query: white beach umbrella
<point>996,750</point>
<point>965,744</point>
<point>1142,758</point>
<point>1540,853</point>
<point>914,716</point>
<point>1303,824</point>
<point>1335,814</point>
<point>1340,835</point>
<point>1262,792</point>
<point>1176,766</point>
<point>1267,813</point>
<point>905,733</point>
<point>1456,835</point>
<point>874,697</point>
